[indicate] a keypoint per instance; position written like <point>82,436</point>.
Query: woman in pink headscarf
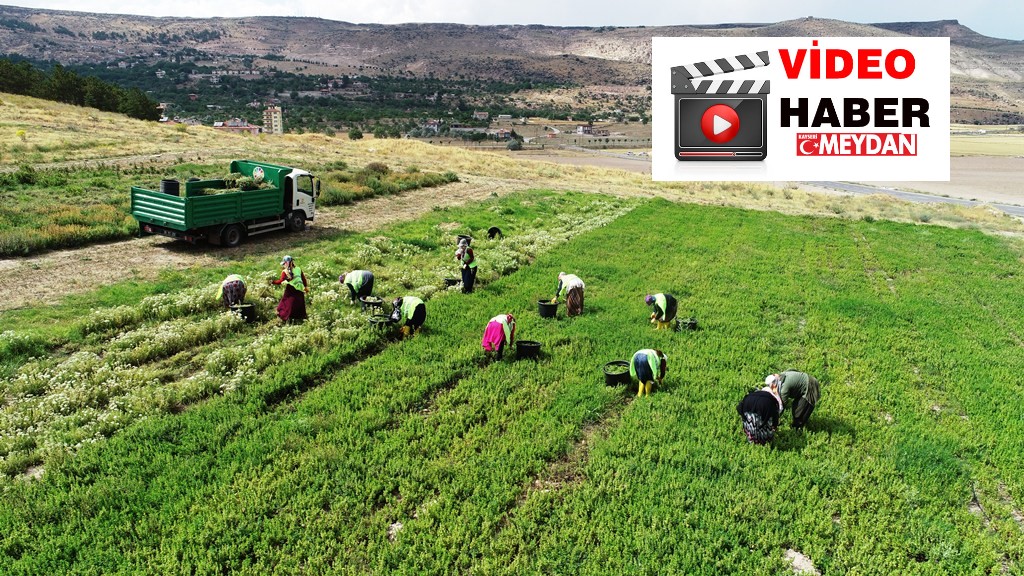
<point>501,330</point>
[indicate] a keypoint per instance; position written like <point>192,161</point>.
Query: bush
<point>377,168</point>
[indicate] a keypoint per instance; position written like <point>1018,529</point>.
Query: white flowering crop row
<point>175,348</point>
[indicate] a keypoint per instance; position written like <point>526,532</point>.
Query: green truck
<point>210,210</point>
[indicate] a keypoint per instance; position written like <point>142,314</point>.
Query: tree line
<point>63,85</point>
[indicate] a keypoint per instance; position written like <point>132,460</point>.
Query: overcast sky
<point>998,18</point>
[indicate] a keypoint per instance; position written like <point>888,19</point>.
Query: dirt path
<point>54,275</point>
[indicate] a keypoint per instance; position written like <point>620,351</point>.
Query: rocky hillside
<point>987,72</point>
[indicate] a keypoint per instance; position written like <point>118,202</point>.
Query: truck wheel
<point>232,235</point>
<point>296,221</point>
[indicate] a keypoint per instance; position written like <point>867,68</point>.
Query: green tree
<point>64,85</point>
<point>355,134</point>
<point>136,104</point>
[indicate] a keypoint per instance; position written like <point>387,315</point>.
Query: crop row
<point>171,349</point>
<point>426,459</point>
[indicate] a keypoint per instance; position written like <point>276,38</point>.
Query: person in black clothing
<point>358,282</point>
<point>759,412</point>
<point>467,260</point>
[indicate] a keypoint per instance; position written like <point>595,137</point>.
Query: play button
<point>720,123</point>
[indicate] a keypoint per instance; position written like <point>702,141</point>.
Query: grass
<point>53,139</point>
<point>986,145</point>
<point>423,458</point>
<point>132,350</point>
<point>68,207</point>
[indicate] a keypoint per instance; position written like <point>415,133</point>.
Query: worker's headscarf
<point>287,260</point>
<point>648,299</point>
<point>463,243</point>
<point>560,274</point>
<point>771,386</point>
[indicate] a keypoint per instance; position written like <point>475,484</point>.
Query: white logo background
<point>930,81</point>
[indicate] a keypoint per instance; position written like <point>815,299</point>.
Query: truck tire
<point>232,235</point>
<point>295,221</point>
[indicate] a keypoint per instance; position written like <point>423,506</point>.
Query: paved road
<point>915,196</point>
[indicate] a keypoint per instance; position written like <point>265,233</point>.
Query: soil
<point>54,275</point>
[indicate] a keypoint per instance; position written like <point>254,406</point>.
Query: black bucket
<point>168,186</point>
<point>246,311</point>
<point>371,303</point>
<point>547,309</point>
<point>527,349</point>
<point>616,372</point>
<point>494,232</point>
<point>449,282</point>
<point>380,321</point>
<point>688,323</point>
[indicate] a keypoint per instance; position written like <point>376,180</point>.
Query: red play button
<point>720,123</point>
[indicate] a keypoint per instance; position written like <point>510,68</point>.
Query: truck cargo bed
<point>199,211</point>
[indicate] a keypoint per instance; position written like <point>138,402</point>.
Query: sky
<point>997,18</point>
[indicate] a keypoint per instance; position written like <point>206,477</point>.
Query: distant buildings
<point>238,126</point>
<point>273,120</point>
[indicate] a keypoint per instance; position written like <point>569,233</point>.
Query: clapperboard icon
<point>721,119</point>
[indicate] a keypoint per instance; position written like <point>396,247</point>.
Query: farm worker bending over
<point>573,287</point>
<point>358,282</point>
<point>665,306</point>
<point>648,366</point>
<point>759,411</point>
<point>232,290</point>
<point>500,330</point>
<point>296,286</point>
<point>468,260</point>
<point>412,311</point>
<point>801,388</point>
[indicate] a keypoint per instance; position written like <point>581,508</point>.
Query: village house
<point>238,126</point>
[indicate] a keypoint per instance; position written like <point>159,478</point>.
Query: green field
<point>64,207</point>
<point>320,449</point>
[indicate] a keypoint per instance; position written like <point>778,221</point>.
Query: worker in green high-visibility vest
<point>665,307</point>
<point>648,367</point>
<point>467,261</point>
<point>232,290</point>
<point>296,286</point>
<point>500,331</point>
<point>358,282</point>
<point>412,311</point>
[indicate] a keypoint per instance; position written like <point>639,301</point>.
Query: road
<point>865,189</point>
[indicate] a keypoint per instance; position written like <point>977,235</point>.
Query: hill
<point>987,82</point>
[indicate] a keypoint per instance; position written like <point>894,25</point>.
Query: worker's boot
<point>418,328</point>
<point>404,331</point>
<point>647,387</point>
<point>640,390</point>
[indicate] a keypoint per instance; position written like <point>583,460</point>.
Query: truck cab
<point>300,193</point>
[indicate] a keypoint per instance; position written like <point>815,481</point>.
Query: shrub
<point>377,168</point>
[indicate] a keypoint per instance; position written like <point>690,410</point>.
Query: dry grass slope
<point>45,134</point>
